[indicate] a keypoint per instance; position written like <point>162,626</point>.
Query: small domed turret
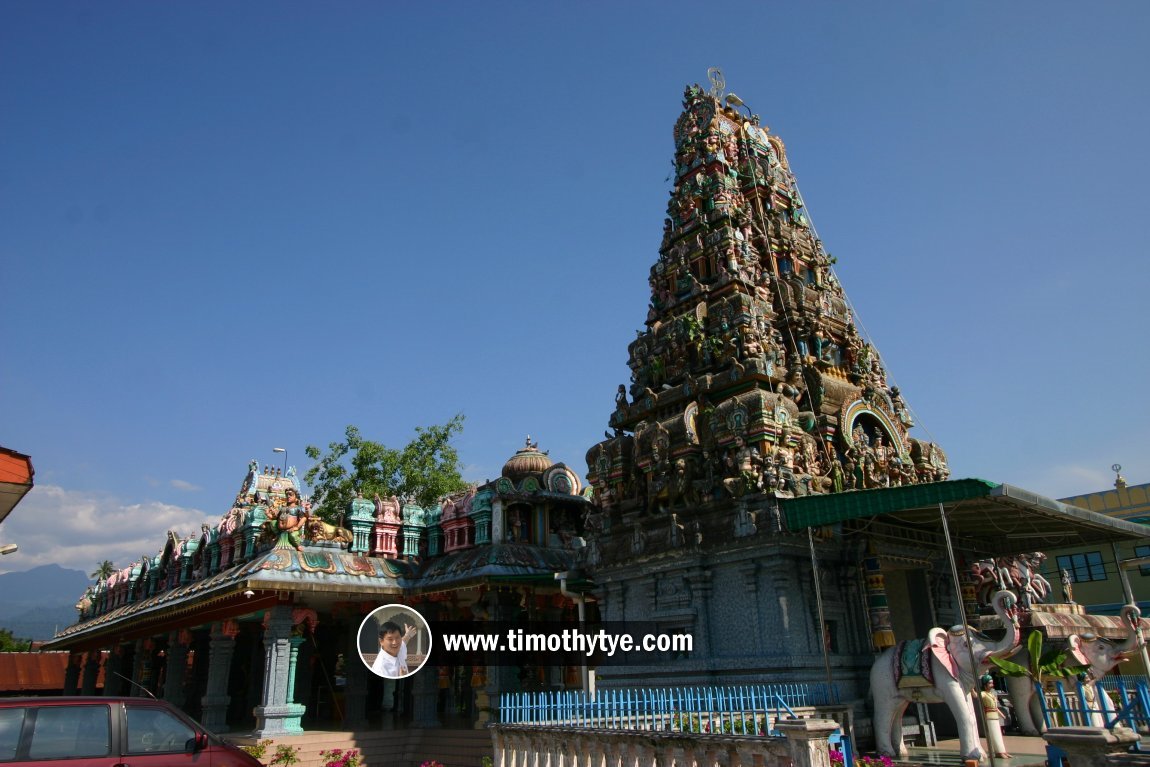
<point>527,460</point>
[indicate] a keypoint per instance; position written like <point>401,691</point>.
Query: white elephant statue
<point>944,658</point>
<point>1101,655</point>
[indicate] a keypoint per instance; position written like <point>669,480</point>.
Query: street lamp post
<point>284,451</point>
<point>8,548</point>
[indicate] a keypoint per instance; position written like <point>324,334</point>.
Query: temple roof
<point>315,570</point>
<point>528,460</point>
<point>498,562</point>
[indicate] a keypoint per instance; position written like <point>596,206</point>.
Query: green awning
<point>984,517</point>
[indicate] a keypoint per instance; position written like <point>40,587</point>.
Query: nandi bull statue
<point>937,670</point>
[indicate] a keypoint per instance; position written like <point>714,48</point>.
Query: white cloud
<point>79,530</point>
<point>180,484</point>
<point>1067,480</point>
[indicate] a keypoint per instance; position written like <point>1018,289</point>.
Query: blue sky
<point>227,227</point>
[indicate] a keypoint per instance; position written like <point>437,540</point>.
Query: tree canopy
<point>9,643</point>
<point>103,571</point>
<point>425,469</point>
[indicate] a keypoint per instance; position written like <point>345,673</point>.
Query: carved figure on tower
<point>750,375</point>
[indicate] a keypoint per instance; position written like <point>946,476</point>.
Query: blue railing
<point>1132,696</point>
<point>1128,704</point>
<point>741,710</point>
<point>1074,704</point>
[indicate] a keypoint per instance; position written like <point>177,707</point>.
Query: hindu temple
<point>759,489</point>
<point>249,626</point>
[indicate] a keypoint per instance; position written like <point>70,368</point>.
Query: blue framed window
<point>1143,551</point>
<point>1083,567</point>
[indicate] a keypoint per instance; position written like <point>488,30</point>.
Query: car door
<point>153,736</point>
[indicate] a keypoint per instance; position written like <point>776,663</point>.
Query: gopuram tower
<point>750,384</point>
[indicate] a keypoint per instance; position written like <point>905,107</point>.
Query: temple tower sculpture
<point>750,376</point>
<point>750,385</point>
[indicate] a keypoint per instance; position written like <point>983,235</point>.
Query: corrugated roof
<point>35,671</point>
<point>984,517</point>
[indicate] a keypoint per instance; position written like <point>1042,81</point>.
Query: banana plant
<point>1041,666</point>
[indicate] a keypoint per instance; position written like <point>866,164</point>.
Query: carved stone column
<point>176,667</point>
<point>355,686</point>
<point>216,699</point>
<point>807,740</point>
<point>878,608</point>
<point>425,696</point>
<point>750,572</point>
<point>277,714</point>
<point>91,673</point>
<point>72,674</point>
<point>112,666</point>
<point>142,667</point>
<point>699,579</point>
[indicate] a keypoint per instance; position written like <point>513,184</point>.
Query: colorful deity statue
<point>289,521</point>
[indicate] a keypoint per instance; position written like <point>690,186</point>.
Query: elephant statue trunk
<point>937,670</point>
<point>1099,655</point>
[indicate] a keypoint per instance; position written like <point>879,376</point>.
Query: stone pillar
<point>388,703</point>
<point>276,714</point>
<point>701,584</point>
<point>72,674</point>
<point>112,671</point>
<point>807,740</point>
<point>360,518</point>
<point>499,756</point>
<point>216,698</point>
<point>425,696</point>
<point>293,662</point>
<point>878,609</point>
<point>355,686</point>
<point>176,667</point>
<point>502,606</point>
<point>498,533</point>
<point>91,673</point>
<point>142,665</point>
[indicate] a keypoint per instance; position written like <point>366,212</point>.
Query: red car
<point>109,732</point>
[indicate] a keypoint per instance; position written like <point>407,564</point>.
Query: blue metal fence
<point>1073,704</point>
<point>746,709</point>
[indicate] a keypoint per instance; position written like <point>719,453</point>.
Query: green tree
<point>103,571</point>
<point>9,643</point>
<point>425,469</point>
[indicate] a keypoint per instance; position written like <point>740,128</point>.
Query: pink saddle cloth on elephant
<point>912,666</point>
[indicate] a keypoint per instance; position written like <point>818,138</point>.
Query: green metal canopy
<point>984,517</point>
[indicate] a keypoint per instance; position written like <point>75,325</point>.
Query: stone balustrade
<point>804,744</point>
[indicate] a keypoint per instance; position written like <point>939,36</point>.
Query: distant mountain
<point>42,585</point>
<point>37,602</point>
<point>38,623</point>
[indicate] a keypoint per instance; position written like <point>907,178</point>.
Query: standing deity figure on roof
<point>1067,586</point>
<point>290,519</point>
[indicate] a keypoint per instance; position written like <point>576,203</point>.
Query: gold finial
<point>1119,480</point>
